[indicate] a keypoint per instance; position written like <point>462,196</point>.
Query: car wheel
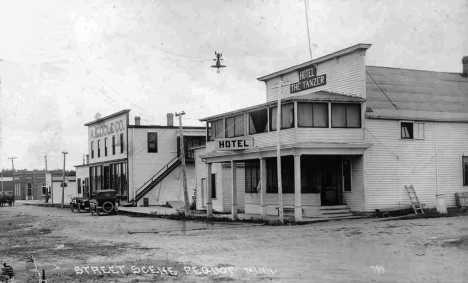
<point>97,211</point>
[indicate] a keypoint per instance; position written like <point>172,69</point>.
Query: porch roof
<point>318,96</point>
<point>287,149</point>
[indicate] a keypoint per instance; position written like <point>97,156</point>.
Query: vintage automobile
<point>104,201</point>
<point>7,197</point>
<point>80,204</point>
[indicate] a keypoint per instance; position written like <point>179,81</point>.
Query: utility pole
<point>45,162</point>
<point>2,183</point>
<point>278,152</point>
<point>182,154</point>
<point>63,180</point>
<point>12,163</point>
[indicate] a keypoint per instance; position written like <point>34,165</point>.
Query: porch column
<point>297,188</point>
<point>209,204</point>
<point>263,185</point>
<point>234,190</point>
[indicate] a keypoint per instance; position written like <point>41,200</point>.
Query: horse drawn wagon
<point>7,197</point>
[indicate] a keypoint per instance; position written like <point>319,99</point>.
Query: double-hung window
<point>152,142</point>
<point>312,115</point>
<point>287,116</point>
<point>465,170</point>
<point>216,130</point>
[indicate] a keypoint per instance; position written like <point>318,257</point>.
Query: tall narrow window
<point>235,126</point>
<point>346,115</point>
<point>92,149</point>
<point>152,142</point>
<point>121,143</point>
<point>312,115</point>
<point>113,145</point>
<point>213,185</point>
<point>105,147</point>
<point>44,189</point>
<point>465,170</point>
<point>252,176</point>
<point>258,121</point>
<point>29,189</point>
<point>99,148</point>
<point>78,183</point>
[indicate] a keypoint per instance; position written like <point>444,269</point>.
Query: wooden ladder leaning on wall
<point>414,199</point>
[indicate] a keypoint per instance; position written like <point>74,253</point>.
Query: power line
<point>308,32</point>
<point>394,105</point>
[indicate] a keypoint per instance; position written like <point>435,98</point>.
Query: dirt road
<point>73,247</point>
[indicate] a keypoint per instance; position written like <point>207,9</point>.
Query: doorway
<point>323,174</point>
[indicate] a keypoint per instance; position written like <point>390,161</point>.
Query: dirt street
<point>74,247</point>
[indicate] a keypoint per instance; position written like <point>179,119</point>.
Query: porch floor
<point>166,210</point>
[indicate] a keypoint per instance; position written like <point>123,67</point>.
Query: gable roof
<point>417,95</point>
<point>311,97</point>
<point>354,48</point>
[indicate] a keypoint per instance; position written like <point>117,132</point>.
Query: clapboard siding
<point>240,173</point>
<point>392,163</point>
<point>201,171</point>
<point>142,164</point>
<point>344,75</point>
<point>171,188</point>
<point>355,198</point>
<point>452,144</point>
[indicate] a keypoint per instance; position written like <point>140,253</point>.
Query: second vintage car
<point>104,201</point>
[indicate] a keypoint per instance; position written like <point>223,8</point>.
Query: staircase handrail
<point>155,176</point>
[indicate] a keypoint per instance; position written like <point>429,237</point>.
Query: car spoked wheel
<point>107,207</point>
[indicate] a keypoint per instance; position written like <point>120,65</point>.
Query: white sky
<point>64,61</point>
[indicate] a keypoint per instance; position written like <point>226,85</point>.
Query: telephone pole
<point>12,171</point>
<point>63,180</point>
<point>182,154</point>
<point>45,162</point>
<point>278,153</point>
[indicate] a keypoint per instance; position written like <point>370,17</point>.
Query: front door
<point>331,177</point>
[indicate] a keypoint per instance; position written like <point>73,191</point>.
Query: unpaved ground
<point>369,250</point>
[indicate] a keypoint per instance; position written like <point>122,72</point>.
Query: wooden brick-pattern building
<point>30,185</point>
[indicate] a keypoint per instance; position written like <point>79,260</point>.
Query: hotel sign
<point>308,79</point>
<point>234,144</point>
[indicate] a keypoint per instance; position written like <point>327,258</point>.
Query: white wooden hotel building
<point>351,137</point>
<point>141,162</point>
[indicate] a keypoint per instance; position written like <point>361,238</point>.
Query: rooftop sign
<point>308,79</point>
<point>234,144</point>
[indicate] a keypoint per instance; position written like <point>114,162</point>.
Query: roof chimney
<point>170,119</point>
<point>137,121</point>
<point>465,65</point>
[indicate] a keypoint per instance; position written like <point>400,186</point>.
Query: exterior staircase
<point>157,178</point>
<point>335,212</point>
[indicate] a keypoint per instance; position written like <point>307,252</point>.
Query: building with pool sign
<point>351,137</point>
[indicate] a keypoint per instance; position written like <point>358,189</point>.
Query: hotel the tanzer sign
<point>308,79</point>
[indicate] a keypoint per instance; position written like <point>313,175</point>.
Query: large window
<point>252,176</point>
<point>92,149</point>
<point>235,126</point>
<point>121,143</point>
<point>287,117</point>
<point>287,174</point>
<point>152,142</point>
<point>216,130</point>
<point>78,183</point>
<point>346,115</point>
<point>105,147</point>
<point>258,121</point>
<point>99,148</point>
<point>465,170</point>
<point>29,189</point>
<point>213,185</point>
<point>312,115</point>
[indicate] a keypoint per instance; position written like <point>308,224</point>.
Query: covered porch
<point>315,176</point>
